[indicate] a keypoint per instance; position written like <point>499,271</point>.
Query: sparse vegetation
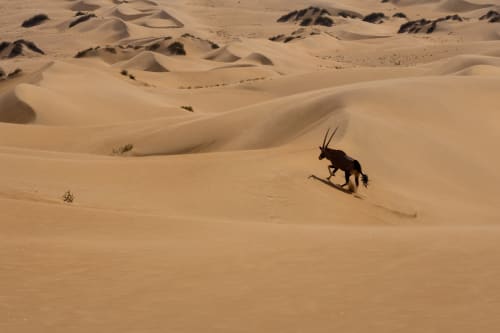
<point>35,20</point>
<point>123,149</point>
<point>68,197</point>
<point>124,72</point>
<point>132,77</point>
<point>221,85</point>
<point>188,108</point>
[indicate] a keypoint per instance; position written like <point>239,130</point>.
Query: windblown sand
<point>188,141</point>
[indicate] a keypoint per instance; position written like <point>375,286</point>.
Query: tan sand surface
<point>187,133</point>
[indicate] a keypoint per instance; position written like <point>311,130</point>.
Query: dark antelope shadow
<point>329,183</point>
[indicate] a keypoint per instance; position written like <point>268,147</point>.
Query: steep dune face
<point>103,103</point>
<point>146,61</point>
<point>107,30</point>
<point>160,171</point>
<point>13,109</point>
<point>223,55</point>
<point>260,59</point>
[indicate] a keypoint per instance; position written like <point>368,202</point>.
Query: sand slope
<point>188,133</point>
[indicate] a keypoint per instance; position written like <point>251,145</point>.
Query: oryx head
<point>325,144</point>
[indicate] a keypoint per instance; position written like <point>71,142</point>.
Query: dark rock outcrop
<point>81,19</point>
<point>492,16</point>
<point>176,48</point>
<point>424,25</point>
<point>374,18</point>
<point>308,16</point>
<point>400,15</point>
<point>213,45</point>
<point>16,48</point>
<point>35,20</point>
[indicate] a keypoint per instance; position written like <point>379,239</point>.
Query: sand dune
<point>152,18</point>
<point>14,110</point>
<point>259,58</point>
<point>162,19</point>
<point>222,55</point>
<point>463,62</point>
<point>461,6</point>
<point>127,13</point>
<point>64,105</point>
<point>107,30</point>
<point>85,5</point>
<point>145,61</point>
<point>159,166</point>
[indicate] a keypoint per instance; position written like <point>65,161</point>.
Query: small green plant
<point>123,149</point>
<point>188,108</point>
<point>68,197</point>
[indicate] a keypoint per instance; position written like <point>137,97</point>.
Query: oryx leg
<point>330,171</point>
<point>356,175</point>
<point>347,175</point>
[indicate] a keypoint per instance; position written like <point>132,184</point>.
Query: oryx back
<point>340,159</point>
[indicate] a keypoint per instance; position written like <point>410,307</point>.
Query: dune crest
<point>222,55</point>
<point>460,6</point>
<point>85,5</point>
<point>145,61</point>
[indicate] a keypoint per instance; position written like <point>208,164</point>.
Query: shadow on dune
<point>329,183</point>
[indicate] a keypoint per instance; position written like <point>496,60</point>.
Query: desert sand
<point>159,166</point>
